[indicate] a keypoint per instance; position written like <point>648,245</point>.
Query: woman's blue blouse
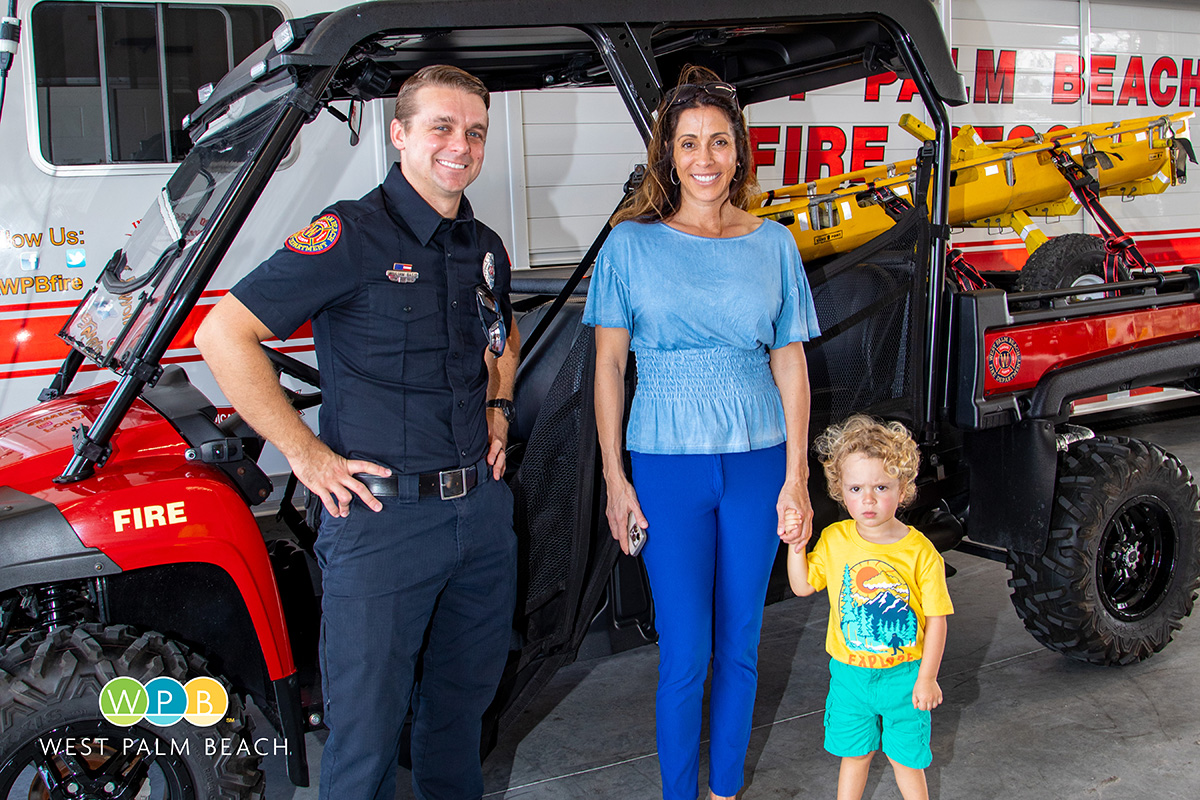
<point>702,314</point>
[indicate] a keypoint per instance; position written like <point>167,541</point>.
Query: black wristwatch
<point>506,408</point>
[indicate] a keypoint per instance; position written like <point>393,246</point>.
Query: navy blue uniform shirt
<point>389,285</point>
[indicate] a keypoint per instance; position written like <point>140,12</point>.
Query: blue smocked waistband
<point>717,372</point>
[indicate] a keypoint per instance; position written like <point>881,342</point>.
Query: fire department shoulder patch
<point>1004,359</point>
<point>318,237</point>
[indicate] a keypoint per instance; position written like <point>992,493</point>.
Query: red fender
<point>148,505</point>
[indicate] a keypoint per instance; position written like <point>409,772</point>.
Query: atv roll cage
<point>365,52</point>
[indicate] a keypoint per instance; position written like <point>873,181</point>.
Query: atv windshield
<point>129,297</point>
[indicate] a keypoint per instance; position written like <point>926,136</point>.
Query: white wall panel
<point>566,138</point>
<point>565,239</point>
<point>580,147</point>
<point>602,106</point>
<point>572,201</point>
<point>581,169</point>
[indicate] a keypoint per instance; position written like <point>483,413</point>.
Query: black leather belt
<point>449,484</point>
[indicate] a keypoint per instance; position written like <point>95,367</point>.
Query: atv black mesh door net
<point>554,472</point>
<point>564,557</point>
<point>870,305</point>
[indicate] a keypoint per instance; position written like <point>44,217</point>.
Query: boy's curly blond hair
<point>890,442</point>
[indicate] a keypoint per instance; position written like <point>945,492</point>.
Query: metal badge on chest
<point>402,273</point>
<point>489,270</point>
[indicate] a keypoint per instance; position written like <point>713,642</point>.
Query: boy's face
<point>868,492</point>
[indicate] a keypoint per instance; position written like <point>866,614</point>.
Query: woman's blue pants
<point>712,541</point>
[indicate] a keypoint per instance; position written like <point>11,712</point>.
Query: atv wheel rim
<point>1086,279</point>
<point>1136,559</point>
<point>129,764</point>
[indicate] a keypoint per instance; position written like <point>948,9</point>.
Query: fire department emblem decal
<point>1004,359</point>
<point>318,237</point>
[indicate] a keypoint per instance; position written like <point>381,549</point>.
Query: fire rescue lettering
<point>806,153</point>
<point>149,516</point>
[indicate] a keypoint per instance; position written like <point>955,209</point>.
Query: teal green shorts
<point>872,709</point>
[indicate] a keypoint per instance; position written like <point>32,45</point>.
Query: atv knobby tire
<point>1121,565</point>
<point>1073,259</point>
<point>49,692</point>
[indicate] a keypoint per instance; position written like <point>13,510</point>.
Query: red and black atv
<point>127,543</point>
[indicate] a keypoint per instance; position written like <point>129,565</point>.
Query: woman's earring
<point>674,176</point>
<point>737,172</point>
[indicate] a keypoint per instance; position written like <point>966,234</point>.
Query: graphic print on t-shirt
<point>874,607</point>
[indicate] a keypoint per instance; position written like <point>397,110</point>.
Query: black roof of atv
<point>768,48</point>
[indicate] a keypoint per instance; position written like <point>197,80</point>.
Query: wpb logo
<point>164,701</point>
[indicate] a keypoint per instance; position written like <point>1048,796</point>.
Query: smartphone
<point>637,536</point>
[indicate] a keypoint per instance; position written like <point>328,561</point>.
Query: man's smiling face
<point>441,147</point>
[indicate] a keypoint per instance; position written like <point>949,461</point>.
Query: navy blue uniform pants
<point>712,541</point>
<point>426,581</point>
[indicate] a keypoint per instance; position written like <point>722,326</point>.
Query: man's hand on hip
<point>495,457</point>
<point>331,478</point>
<point>497,441</point>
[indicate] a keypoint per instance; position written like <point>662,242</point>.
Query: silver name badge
<point>402,275</point>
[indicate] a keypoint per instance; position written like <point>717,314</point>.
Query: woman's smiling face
<point>705,155</point>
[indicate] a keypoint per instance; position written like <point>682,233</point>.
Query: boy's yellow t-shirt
<point>879,594</point>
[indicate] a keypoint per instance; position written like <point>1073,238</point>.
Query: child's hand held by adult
<point>795,512</point>
<point>793,524</point>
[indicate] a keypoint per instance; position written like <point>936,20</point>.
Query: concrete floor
<point>1018,721</point>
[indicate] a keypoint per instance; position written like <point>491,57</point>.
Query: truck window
<point>114,81</point>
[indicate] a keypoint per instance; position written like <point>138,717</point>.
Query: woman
<point>715,302</point>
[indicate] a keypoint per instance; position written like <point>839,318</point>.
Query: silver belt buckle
<point>453,483</point>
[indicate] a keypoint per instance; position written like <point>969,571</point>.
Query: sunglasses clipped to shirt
<point>492,319</point>
<point>687,92</point>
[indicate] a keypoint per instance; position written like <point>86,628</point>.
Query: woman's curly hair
<point>890,442</point>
